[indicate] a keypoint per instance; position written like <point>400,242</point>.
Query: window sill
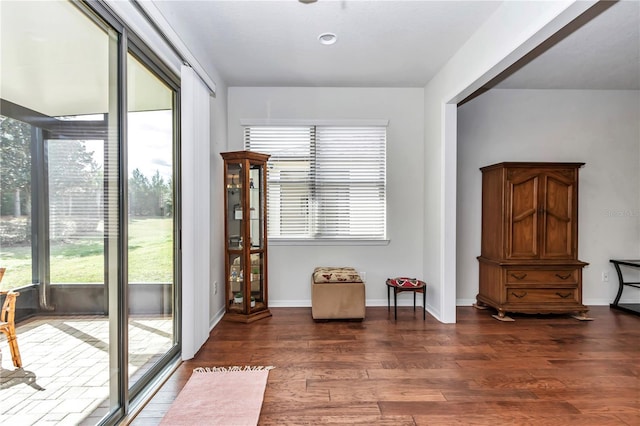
<point>326,242</point>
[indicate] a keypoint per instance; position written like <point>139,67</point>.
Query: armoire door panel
<point>522,221</point>
<point>558,221</point>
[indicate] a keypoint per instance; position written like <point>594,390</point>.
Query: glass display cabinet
<point>245,216</point>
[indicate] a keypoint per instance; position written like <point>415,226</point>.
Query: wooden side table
<point>400,284</point>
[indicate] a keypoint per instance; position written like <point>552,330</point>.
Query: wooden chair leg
<point>7,326</point>
<point>13,347</point>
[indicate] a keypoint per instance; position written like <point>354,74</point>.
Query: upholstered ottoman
<point>337,293</point>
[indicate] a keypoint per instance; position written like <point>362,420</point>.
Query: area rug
<point>229,396</point>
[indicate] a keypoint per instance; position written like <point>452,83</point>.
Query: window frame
<point>314,124</point>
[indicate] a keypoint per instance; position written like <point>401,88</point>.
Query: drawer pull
<point>564,296</point>
<point>519,296</point>
<point>563,277</point>
<point>519,277</point>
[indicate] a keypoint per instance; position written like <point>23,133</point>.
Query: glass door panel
<point>256,228</point>
<point>255,206</point>
<point>234,225</point>
<point>59,75</point>
<point>234,204</point>
<point>151,224</point>
<point>236,282</point>
<point>257,281</point>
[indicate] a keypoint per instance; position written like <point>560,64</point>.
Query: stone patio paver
<point>65,374</point>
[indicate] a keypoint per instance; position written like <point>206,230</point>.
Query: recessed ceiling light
<point>327,38</point>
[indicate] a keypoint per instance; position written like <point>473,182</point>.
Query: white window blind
<point>324,182</point>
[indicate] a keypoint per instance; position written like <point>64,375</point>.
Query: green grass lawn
<point>82,261</point>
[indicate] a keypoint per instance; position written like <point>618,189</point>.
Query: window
<point>324,182</point>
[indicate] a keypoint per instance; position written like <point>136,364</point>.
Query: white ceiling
<point>51,70</point>
<point>600,50</point>
<point>393,43</point>
<point>274,43</point>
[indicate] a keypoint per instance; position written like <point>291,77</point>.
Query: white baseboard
<point>216,318</point>
<point>289,303</point>
<point>369,302</point>
<point>597,302</point>
<point>405,301</point>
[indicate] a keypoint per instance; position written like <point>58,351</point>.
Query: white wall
<point>511,32</point>
<point>290,266</point>
<point>600,128</point>
<point>218,145</point>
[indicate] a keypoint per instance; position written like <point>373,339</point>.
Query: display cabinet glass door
<point>234,206</point>
<point>234,215</point>
<point>256,227</point>
<point>256,206</point>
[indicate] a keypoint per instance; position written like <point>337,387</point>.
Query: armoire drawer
<point>543,276</point>
<point>537,295</point>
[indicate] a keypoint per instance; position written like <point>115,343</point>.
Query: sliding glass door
<point>88,211</point>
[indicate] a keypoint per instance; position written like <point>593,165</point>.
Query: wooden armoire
<point>529,254</point>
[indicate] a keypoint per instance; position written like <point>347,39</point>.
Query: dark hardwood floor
<point>538,370</point>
